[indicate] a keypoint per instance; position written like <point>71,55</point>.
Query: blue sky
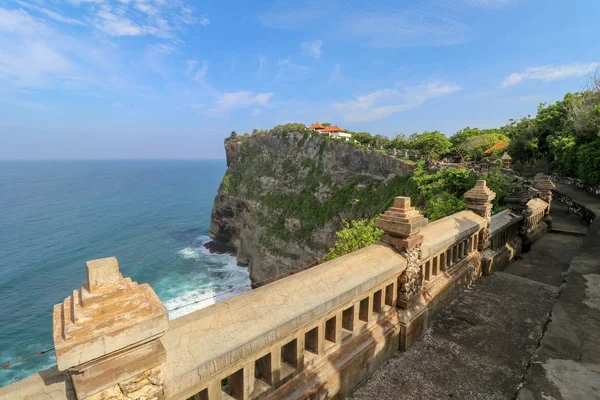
<point>171,78</point>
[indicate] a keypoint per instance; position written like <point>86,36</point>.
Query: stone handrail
<point>595,190</point>
<point>258,339</point>
<point>537,209</point>
<point>447,242</point>
<point>504,228</point>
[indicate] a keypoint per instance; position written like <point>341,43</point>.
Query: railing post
<point>545,186</point>
<point>402,224</point>
<point>107,336</point>
<point>479,200</point>
<point>517,202</point>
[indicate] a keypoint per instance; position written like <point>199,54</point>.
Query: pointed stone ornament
<point>545,186</point>
<point>479,199</point>
<point>401,224</point>
<point>108,330</point>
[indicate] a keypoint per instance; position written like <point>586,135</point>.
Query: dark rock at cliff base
<point>285,195</point>
<point>216,247</point>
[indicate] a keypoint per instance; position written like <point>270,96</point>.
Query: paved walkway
<point>567,363</point>
<point>481,346</point>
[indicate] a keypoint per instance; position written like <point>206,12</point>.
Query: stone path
<point>567,363</point>
<point>481,346</point>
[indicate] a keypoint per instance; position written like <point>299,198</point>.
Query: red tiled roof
<point>498,146</point>
<point>316,125</point>
<point>334,128</point>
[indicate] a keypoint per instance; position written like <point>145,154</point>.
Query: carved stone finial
<point>518,198</point>
<point>479,199</point>
<point>104,319</point>
<point>402,224</point>
<point>545,186</point>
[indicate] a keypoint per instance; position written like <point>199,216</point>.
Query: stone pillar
<point>402,224</point>
<point>107,335</point>
<point>479,200</point>
<point>517,202</point>
<point>545,186</point>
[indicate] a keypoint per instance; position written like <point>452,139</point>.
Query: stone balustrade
<point>504,228</point>
<point>315,334</point>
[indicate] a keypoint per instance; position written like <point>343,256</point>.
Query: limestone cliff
<point>284,196</point>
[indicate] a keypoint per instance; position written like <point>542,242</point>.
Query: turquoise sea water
<point>54,215</point>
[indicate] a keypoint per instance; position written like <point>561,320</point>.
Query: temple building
<point>335,131</point>
<point>316,127</point>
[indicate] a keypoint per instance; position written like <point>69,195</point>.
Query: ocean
<point>153,215</point>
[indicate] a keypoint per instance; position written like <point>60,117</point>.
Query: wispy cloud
<point>312,48</point>
<point>204,21</point>
<point>422,24</point>
<point>289,72</point>
<point>549,73</point>
<point>262,60</point>
<point>227,102</point>
<point>382,103</point>
<point>336,75</point>
<point>51,14</point>
<point>201,72</point>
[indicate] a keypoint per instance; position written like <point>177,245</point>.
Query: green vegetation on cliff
<point>438,195</point>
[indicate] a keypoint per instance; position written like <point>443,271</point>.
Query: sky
<point>122,79</point>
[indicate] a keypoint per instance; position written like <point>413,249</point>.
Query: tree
<point>233,135</point>
<point>326,124</point>
<point>355,235</point>
<point>363,138</point>
<point>430,145</point>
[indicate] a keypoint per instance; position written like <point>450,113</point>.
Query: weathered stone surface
<point>401,221</point>
<point>111,393</point>
<point>209,340</point>
<point>124,314</point>
<point>477,348</point>
<point>103,274</point>
<point>567,363</point>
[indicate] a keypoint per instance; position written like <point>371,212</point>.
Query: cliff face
<point>284,196</point>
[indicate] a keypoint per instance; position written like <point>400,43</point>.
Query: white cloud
<point>261,66</point>
<point>312,48</point>
<point>550,73</point>
<point>51,14</point>
<point>201,72</point>
<point>116,25</point>
<point>227,102</point>
<point>290,72</point>
<point>421,24</point>
<point>336,75</point>
<point>204,21</point>
<point>19,22</point>
<point>382,103</point>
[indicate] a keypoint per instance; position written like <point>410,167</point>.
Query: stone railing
<point>447,242</point>
<point>250,345</point>
<point>595,190</point>
<point>504,229</point>
<point>575,208</point>
<point>315,334</point>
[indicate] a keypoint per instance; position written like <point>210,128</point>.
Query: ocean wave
<point>217,278</point>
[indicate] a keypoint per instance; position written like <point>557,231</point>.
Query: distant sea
<point>54,215</point>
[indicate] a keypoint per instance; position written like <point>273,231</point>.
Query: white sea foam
<point>188,252</point>
<point>219,278</point>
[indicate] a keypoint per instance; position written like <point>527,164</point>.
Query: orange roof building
<point>333,128</point>
<point>316,126</point>
<point>498,146</point>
